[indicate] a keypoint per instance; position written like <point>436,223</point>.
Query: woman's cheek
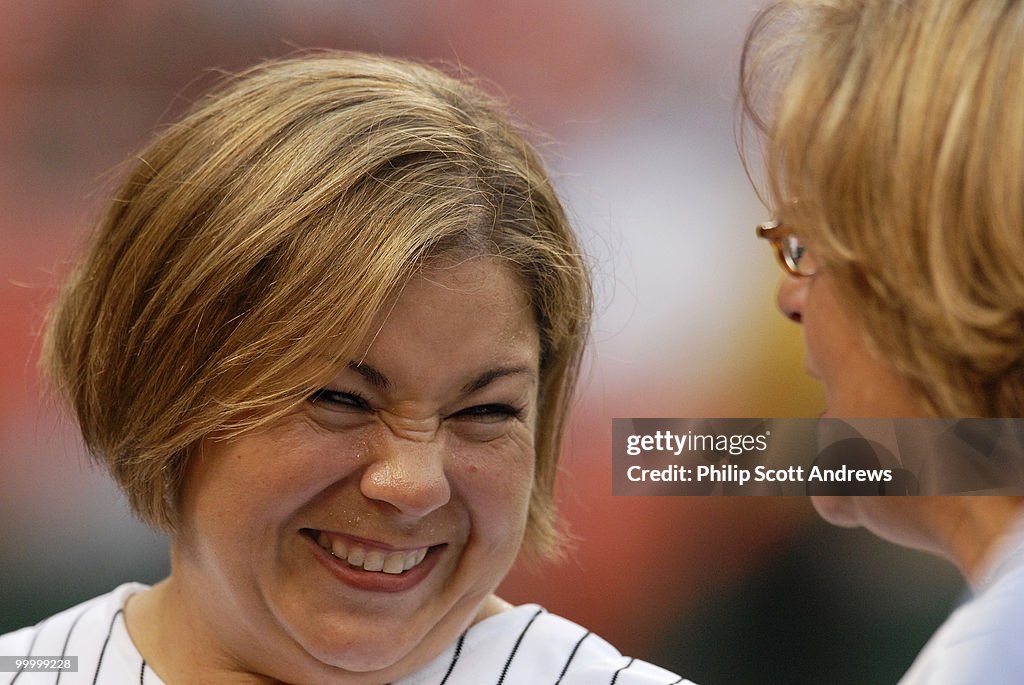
<point>497,477</point>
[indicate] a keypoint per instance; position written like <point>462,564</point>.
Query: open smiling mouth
<point>369,559</point>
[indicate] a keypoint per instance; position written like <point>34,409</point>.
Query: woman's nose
<point>408,474</point>
<point>792,296</point>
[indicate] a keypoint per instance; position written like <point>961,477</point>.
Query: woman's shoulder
<point>83,632</point>
<point>979,642</point>
<point>529,644</point>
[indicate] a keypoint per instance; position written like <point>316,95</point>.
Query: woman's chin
<point>360,658</point>
<point>837,510</point>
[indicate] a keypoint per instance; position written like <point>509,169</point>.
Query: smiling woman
<point>383,513</point>
<point>326,338</point>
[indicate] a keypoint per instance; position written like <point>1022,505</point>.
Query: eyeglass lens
<point>795,253</point>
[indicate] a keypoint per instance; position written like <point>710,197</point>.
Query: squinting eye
<point>488,413</point>
<point>338,399</point>
<point>484,422</point>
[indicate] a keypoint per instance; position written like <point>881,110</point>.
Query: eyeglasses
<point>790,250</point>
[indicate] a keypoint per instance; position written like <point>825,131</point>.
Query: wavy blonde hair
<point>898,125</point>
<point>255,241</point>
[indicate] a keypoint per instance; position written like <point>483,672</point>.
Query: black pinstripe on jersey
<point>515,648</point>
<point>455,658</point>
<point>106,641</point>
<point>31,645</point>
<point>615,676</point>
<point>67,639</point>
<point>572,655</point>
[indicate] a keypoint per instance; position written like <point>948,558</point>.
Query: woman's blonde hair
<point>897,126</point>
<point>255,241</point>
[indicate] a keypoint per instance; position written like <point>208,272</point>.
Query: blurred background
<point>633,107</point>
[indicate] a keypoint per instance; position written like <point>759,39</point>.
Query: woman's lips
<point>372,566</point>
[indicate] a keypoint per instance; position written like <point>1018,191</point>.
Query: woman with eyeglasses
<point>893,144</point>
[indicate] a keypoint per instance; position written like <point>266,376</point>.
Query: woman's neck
<point>971,533</point>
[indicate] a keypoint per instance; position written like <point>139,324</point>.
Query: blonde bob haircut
<point>254,242</point>
<point>893,141</point>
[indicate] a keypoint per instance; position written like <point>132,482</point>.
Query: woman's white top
<point>982,642</point>
<point>524,646</point>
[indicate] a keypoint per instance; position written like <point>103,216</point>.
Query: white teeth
<point>414,559</point>
<point>339,549</point>
<point>395,563</point>
<point>374,561</point>
<point>392,563</point>
<point>355,556</point>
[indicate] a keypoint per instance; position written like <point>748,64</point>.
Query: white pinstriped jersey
<point>524,646</point>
